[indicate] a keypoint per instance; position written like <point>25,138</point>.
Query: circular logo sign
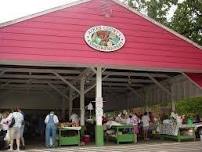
<point>104,38</point>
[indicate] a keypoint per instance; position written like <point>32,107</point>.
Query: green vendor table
<point>185,132</point>
<point>123,134</point>
<point>69,136</point>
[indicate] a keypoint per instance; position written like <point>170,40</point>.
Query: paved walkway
<point>163,147</point>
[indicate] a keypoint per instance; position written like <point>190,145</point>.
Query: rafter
<point>5,84</point>
<point>35,70</point>
<point>133,73</point>
<point>20,76</point>
<point>2,72</point>
<point>67,82</point>
<point>32,81</point>
<point>91,87</point>
<point>159,85</point>
<point>24,85</point>
<point>135,92</point>
<point>58,91</point>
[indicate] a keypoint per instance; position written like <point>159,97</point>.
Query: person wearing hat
<point>51,122</point>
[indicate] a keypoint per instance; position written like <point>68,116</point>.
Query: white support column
<point>99,108</point>
<point>99,99</point>
<point>82,101</point>
<point>70,101</point>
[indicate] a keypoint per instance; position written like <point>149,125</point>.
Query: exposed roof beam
<point>12,76</point>
<point>32,81</point>
<point>67,82</point>
<point>58,91</point>
<point>48,88</point>
<point>76,71</point>
<point>121,84</point>
<point>83,73</point>
<point>114,88</point>
<point>133,73</point>
<point>48,93</point>
<point>2,72</point>
<point>24,85</point>
<point>66,71</point>
<point>94,70</point>
<point>91,87</point>
<point>135,92</point>
<point>126,80</point>
<point>5,84</point>
<point>22,76</point>
<point>159,85</point>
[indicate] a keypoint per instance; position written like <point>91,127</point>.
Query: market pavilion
<point>71,49</point>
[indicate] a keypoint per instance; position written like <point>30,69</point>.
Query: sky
<point>13,9</point>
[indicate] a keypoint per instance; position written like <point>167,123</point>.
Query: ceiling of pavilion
<point>56,78</point>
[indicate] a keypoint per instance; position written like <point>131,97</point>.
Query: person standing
<point>136,121</point>
<point>5,127</point>
<point>74,118</point>
<point>15,129</point>
<point>51,122</point>
<point>145,123</point>
<point>22,130</point>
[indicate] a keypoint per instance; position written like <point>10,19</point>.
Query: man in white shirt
<point>51,122</point>
<point>15,129</point>
<point>145,122</point>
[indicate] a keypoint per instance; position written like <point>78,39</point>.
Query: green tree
<point>186,20</point>
<point>192,106</point>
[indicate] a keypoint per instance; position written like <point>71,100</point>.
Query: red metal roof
<point>195,78</point>
<point>58,37</point>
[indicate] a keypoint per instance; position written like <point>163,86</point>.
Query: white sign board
<point>104,38</point>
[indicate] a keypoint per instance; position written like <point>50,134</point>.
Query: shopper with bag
<point>15,126</point>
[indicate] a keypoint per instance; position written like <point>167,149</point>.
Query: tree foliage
<point>186,18</point>
<point>192,106</point>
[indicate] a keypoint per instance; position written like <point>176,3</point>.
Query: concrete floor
<point>142,147</point>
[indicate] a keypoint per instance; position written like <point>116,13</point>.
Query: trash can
<point>86,139</point>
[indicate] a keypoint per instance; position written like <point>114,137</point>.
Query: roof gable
<point>57,37</point>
